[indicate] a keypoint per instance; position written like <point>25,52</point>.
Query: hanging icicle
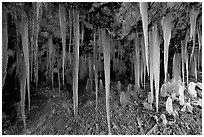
<point>17,24</point>
<point>156,64</point>
<point>50,51</point>
<point>36,9</point>
<point>4,44</point>
<point>151,61</point>
<point>199,48</point>
<point>166,26</point>
<point>186,55</point>
<point>199,38</point>
<point>22,80</point>
<point>62,18</point>
<point>95,68</point>
<point>70,33</point>
<point>31,48</point>
<point>76,62</point>
<point>182,60</point>
<point>136,61</point>
<point>193,16</point>
<point>143,60</point>
<point>144,14</point>
<point>90,62</point>
<point>58,66</point>
<point>25,43</point>
<point>52,63</point>
<point>195,68</point>
<point>106,46</point>
<point>82,34</point>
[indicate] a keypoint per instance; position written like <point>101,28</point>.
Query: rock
<point>123,99</point>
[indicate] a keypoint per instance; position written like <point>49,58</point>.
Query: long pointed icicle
<point>195,68</point>
<point>58,67</point>
<point>76,63</point>
<point>22,80</point>
<point>193,16</point>
<point>182,60</point>
<point>143,61</point>
<point>136,61</point>
<point>62,19</point>
<point>156,64</point>
<point>199,39</point>
<point>52,64</point>
<point>25,43</point>
<point>96,73</point>
<point>106,47</point>
<point>166,26</point>
<point>200,44</point>
<point>186,56</point>
<point>144,13</point>
<point>36,7</point>
<point>50,51</point>
<point>4,45</point>
<point>151,63</point>
<point>31,49</point>
<point>70,34</point>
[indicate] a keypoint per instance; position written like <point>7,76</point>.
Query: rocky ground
<point>52,114</point>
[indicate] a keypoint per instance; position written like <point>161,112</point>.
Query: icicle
<point>193,49</point>
<point>4,44</point>
<point>70,34</point>
<point>82,34</point>
<point>182,60</point>
<point>50,50</point>
<point>186,55</point>
<point>193,16</point>
<point>31,51</point>
<point>90,61</point>
<point>52,64</point>
<point>25,43</point>
<point>143,61</point>
<point>195,68</point>
<point>166,26</point>
<point>141,71</point>
<point>199,39</point>
<point>17,44</point>
<point>22,81</point>
<point>144,14</point>
<point>36,7</point>
<point>106,47</point>
<point>95,72</point>
<point>136,61</point>
<point>58,67</point>
<point>76,63</point>
<point>156,64</point>
<point>199,48</point>
<point>62,18</point>
<point>113,54</point>
<point>151,62</point>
